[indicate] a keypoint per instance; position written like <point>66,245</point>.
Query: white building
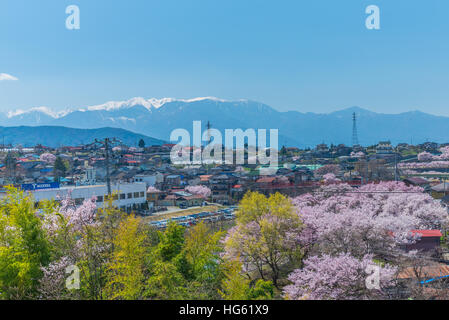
<point>127,197</point>
<point>384,147</point>
<point>90,176</point>
<point>149,179</point>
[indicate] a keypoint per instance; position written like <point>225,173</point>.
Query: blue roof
<point>433,279</point>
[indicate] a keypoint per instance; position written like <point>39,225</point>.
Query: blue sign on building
<point>39,186</point>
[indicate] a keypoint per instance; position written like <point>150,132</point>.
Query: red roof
<point>205,177</point>
<point>428,233</point>
<point>237,186</point>
<point>266,180</point>
<point>427,271</point>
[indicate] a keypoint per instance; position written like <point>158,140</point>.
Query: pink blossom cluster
<point>424,165</point>
<point>336,278</point>
<point>330,178</point>
<point>52,283</point>
<point>152,189</point>
<point>199,190</point>
<point>379,216</point>
<point>426,156</point>
<point>328,168</point>
<point>76,217</point>
<point>48,158</point>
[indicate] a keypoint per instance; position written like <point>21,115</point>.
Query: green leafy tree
<point>235,286</point>
<point>283,151</point>
<point>262,290</point>
<point>265,236</point>
<point>60,167</point>
<point>200,261</point>
<point>24,247</point>
<point>141,143</point>
<point>166,282</point>
<point>126,268</point>
<point>202,248</point>
<point>171,241</point>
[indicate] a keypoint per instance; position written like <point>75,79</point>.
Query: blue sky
<point>312,56</point>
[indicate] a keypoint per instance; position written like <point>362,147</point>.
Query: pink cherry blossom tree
<point>67,227</point>
<point>340,277</point>
<point>425,165</point>
<point>371,220</point>
<point>199,190</point>
<point>152,189</point>
<point>48,158</point>
<point>52,285</point>
<point>330,178</point>
<point>328,168</point>
<point>425,157</point>
<point>444,154</point>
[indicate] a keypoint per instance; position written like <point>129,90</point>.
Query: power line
<point>107,142</point>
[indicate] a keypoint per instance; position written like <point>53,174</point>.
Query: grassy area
<point>409,153</point>
<point>182,213</point>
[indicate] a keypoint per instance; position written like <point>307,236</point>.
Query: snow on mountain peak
<point>113,105</point>
<point>43,110</point>
<point>147,103</point>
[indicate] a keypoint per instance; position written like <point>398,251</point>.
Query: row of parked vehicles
<point>192,219</point>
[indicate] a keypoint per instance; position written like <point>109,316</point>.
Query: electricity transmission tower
<point>355,138</point>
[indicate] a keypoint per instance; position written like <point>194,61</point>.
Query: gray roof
<point>442,187</point>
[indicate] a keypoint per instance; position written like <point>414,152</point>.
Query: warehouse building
<point>126,197</point>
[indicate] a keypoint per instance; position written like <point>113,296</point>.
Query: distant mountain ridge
<point>54,136</point>
<point>159,117</point>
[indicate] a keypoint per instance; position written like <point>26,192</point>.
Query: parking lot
<point>192,219</point>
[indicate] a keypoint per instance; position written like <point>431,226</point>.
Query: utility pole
<point>208,126</point>
<point>107,144</point>
<point>395,166</point>
<point>108,176</point>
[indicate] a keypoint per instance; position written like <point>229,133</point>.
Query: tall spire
<point>355,139</point>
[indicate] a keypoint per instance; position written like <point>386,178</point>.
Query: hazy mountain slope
<point>53,136</point>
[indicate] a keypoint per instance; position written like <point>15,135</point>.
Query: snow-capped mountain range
<point>159,117</point>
